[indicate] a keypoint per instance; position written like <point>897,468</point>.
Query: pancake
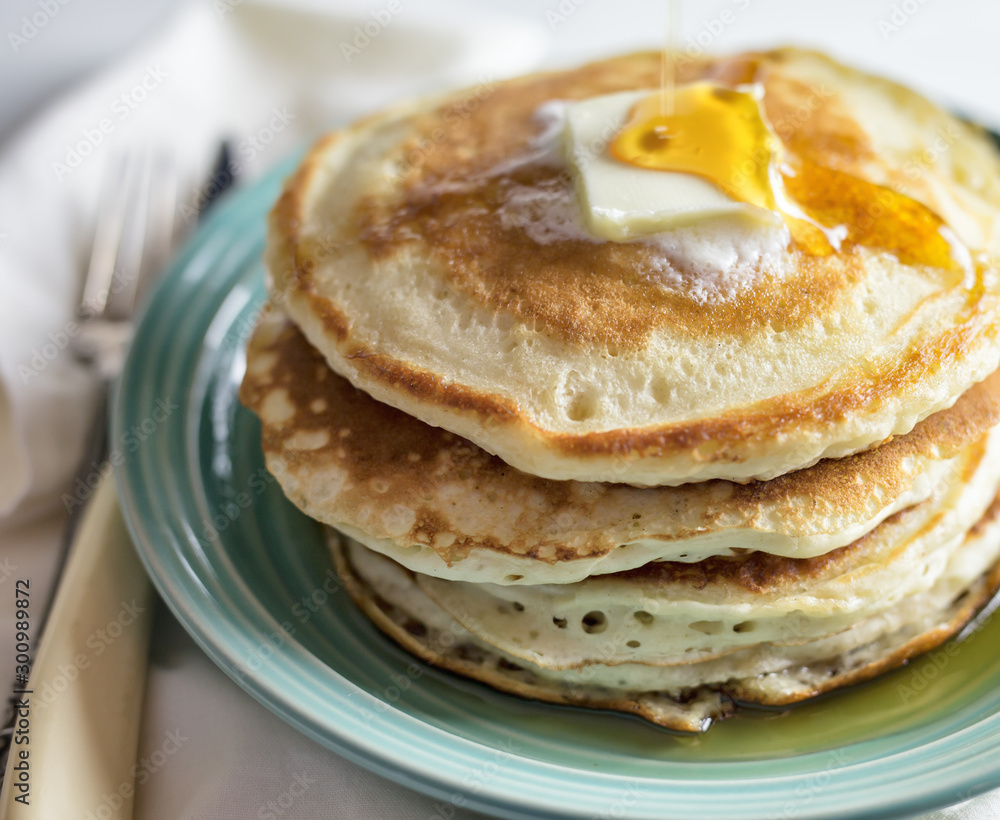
<point>442,506</point>
<point>671,614</point>
<point>687,697</point>
<point>433,255</point>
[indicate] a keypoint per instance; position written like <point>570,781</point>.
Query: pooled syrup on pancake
<point>718,132</point>
<point>708,130</point>
<point>454,205</point>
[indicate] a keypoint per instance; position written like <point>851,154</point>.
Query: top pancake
<point>407,249</point>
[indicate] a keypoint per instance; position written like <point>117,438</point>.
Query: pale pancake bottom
<point>685,697</point>
<point>671,614</point>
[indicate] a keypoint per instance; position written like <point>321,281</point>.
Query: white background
<point>947,48</point>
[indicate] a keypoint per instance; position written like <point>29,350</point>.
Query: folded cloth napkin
<point>269,76</point>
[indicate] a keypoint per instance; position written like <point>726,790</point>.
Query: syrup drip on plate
<point>718,133</point>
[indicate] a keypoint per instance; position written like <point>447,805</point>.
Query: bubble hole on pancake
<point>397,249</point>
<point>688,697</point>
<point>442,506</point>
<point>667,613</point>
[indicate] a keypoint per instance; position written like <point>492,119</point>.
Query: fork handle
<point>88,679</point>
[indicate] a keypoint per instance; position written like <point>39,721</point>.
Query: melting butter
<point>620,201</point>
<point>712,131</point>
<point>717,134</point>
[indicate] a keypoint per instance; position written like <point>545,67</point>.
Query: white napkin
<point>269,77</point>
<point>254,71</point>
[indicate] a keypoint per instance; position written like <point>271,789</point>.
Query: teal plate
<point>250,579</point>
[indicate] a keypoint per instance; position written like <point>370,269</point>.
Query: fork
<point>79,712</point>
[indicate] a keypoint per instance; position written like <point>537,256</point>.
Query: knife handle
<point>87,681</point>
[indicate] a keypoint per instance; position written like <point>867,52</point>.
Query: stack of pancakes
<point>662,476</point>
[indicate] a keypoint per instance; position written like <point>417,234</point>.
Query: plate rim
<point>507,793</point>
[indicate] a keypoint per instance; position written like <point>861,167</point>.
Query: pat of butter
<point>621,201</point>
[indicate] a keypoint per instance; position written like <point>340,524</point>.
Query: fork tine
<point>131,246</point>
<point>161,226</point>
<point>132,242</point>
<point>107,235</point>
<point>146,235</point>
